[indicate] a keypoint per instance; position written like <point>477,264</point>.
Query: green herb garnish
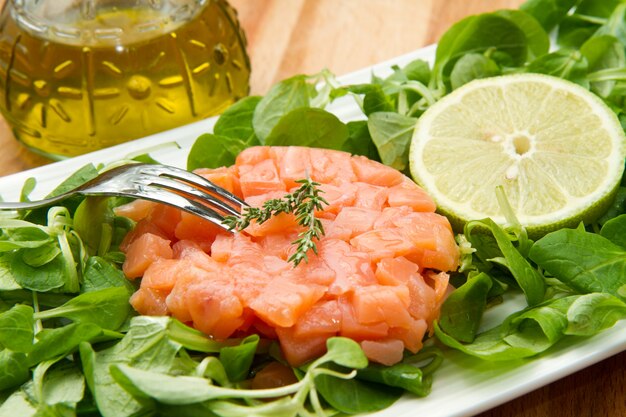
<point>303,202</point>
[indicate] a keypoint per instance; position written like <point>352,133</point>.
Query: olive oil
<point>124,74</point>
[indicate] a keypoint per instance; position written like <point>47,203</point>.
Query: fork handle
<point>27,205</point>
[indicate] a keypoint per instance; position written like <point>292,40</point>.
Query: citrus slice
<point>555,148</point>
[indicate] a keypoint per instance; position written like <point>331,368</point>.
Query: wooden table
<point>287,37</point>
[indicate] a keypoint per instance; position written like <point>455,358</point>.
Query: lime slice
<point>555,148</point>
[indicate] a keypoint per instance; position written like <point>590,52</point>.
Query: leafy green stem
<point>610,74</point>
<point>38,324</point>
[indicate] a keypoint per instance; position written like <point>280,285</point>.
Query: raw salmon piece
<point>250,281</point>
<point>283,301</point>
<point>260,178</point>
<point>214,308</point>
<point>350,326</point>
<point>274,375</point>
<point>224,177</point>
<point>382,304</point>
<point>293,163</point>
<point>191,251</point>
<point>318,272</point>
<point>389,216</point>
<point>438,251</point>
<point>176,301</point>
<point>324,318</point>
<point>408,194</point>
<point>429,246</point>
<point>162,274</point>
<point>252,156</point>
<point>278,244</point>
<point>192,227</point>
<point>166,218</point>
<point>222,248</point>
<point>413,336</point>
<point>264,329</point>
<point>386,352</point>
<point>441,285</point>
<point>144,226</point>
<point>275,265</point>
<point>146,249</point>
<point>423,219</point>
<point>375,173</point>
<point>370,196</point>
<point>337,197</point>
<point>281,223</point>
<point>383,243</point>
<point>150,301</point>
<point>395,271</point>
<point>423,299</point>
<point>352,221</point>
<point>300,350</point>
<point>331,167</point>
<point>135,210</point>
<point>352,269</point>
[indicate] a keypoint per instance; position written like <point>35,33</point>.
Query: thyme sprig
<point>302,203</point>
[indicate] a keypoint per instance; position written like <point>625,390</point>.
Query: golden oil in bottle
<point>75,81</point>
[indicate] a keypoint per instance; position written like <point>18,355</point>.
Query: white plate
<point>463,386</point>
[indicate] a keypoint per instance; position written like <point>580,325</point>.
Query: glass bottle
<point>80,75</point>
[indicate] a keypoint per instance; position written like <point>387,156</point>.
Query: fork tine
<point>201,182</point>
<point>176,200</point>
<point>187,190</point>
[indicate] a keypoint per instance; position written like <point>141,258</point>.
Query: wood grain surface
<point>287,37</point>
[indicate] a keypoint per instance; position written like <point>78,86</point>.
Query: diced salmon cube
<point>144,226</point>
<point>135,210</point>
<point>300,350</point>
<point>214,308</point>
<point>224,177</point>
<point>260,178</point>
<point>383,243</point>
<point>350,326</point>
<point>146,249</point>
<point>407,195</point>
<point>382,304</point>
<point>375,173</point>
<point>166,218</point>
<point>162,274</point>
<point>331,167</point>
<point>395,271</point>
<point>252,156</point>
<point>337,197</point>
<point>192,227</point>
<point>282,301</point>
<point>324,318</point>
<point>386,352</point>
<point>369,196</point>
<point>149,302</point>
<point>352,221</point>
<point>293,164</point>
<point>413,336</point>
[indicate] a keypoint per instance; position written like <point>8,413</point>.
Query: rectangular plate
<point>463,386</point>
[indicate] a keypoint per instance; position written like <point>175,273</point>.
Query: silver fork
<point>160,183</point>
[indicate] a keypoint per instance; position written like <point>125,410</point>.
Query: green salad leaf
<point>586,262</point>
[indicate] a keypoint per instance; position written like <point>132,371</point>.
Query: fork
<point>159,183</point>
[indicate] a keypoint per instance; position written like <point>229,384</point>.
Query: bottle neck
<point>103,22</point>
